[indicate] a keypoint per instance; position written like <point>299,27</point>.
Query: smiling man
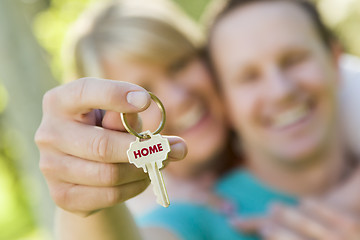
<point>278,69</point>
<point>280,80</point>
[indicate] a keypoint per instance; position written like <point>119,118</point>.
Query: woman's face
<point>193,109</point>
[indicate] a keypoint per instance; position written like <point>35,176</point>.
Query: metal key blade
<point>158,184</point>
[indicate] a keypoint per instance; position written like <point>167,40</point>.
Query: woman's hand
<point>85,165</point>
<point>311,220</point>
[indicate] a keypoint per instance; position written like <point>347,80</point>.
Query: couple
<point>278,70</point>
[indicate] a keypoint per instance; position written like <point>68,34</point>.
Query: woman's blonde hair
<point>145,30</point>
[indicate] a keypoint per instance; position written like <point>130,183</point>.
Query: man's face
<point>278,79</point>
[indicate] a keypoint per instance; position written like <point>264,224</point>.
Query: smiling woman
<point>140,44</point>
<point>132,45</point>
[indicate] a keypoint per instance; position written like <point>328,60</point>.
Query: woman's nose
<point>175,98</point>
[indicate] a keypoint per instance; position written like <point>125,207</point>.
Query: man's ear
<point>337,51</point>
<point>336,54</point>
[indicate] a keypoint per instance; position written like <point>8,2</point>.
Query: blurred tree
<point>26,76</point>
<point>344,18</point>
<point>16,219</point>
<point>51,25</point>
<point>193,8</point>
<point>33,7</point>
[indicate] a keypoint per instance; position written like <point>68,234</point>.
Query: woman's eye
<point>249,77</point>
<point>178,66</point>
<point>147,87</point>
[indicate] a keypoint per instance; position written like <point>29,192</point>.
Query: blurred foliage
<point>343,17</point>
<point>50,27</point>
<point>15,219</point>
<point>3,98</point>
<point>193,8</point>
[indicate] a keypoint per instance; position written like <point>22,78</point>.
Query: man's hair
<point>325,34</point>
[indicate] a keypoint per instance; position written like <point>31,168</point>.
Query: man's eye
<point>293,60</point>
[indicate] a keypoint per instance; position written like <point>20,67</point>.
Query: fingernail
<point>138,99</point>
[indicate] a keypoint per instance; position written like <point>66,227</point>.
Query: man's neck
<point>312,180</point>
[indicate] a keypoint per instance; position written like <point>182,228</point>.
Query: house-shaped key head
<point>155,149</point>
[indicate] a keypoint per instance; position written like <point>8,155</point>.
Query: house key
<point>148,151</point>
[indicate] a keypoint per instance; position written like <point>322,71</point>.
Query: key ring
<point>158,130</point>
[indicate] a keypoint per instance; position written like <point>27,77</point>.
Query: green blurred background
<point>31,36</point>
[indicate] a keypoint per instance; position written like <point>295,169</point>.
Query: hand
<point>85,165</point>
<point>350,189</point>
<point>311,220</point>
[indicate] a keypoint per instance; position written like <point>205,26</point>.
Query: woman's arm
<point>114,223</point>
<point>85,166</point>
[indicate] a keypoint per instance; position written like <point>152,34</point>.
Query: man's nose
<point>279,86</point>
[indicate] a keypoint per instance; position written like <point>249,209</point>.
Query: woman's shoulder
<point>182,209</point>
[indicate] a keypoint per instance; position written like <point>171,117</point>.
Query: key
<point>149,154</point>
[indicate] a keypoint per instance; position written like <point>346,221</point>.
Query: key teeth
<point>164,204</point>
<point>157,183</point>
<point>159,164</point>
<point>158,200</point>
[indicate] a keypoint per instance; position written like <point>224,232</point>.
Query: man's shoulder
<point>249,194</point>
<point>236,177</point>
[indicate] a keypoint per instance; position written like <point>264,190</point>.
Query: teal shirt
<point>196,222</point>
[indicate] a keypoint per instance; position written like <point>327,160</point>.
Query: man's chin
<point>296,159</point>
